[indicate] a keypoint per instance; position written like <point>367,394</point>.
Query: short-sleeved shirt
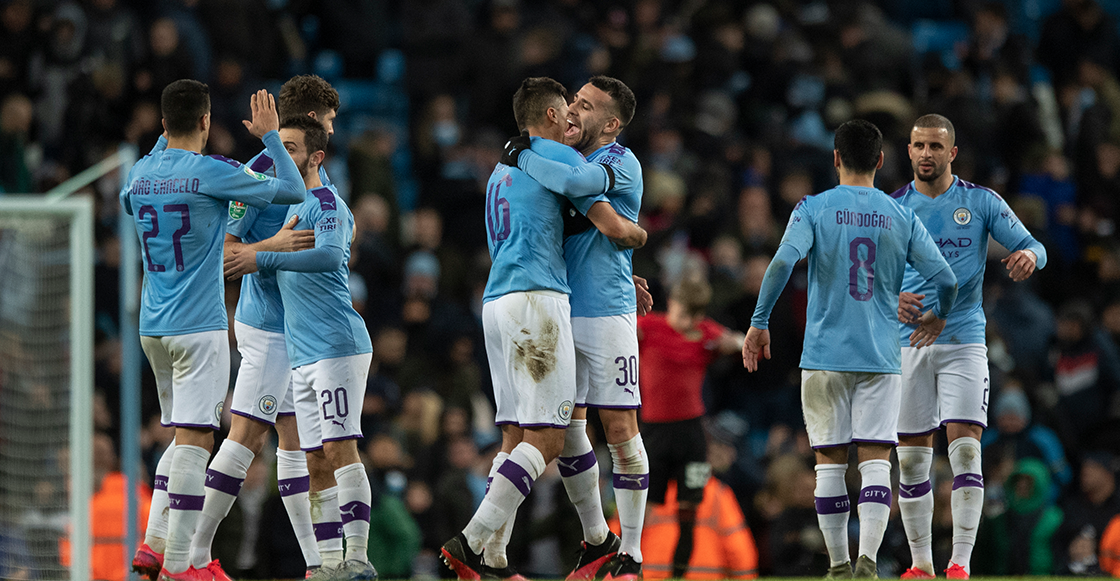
<point>259,304</point>
<point>319,317</point>
<point>858,241</point>
<point>525,229</point>
<point>180,200</point>
<point>599,273</point>
<point>960,221</point>
<point>672,367</point>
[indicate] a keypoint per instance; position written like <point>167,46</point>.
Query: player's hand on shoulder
<point>512,151</point>
<point>265,118</point>
<point>756,345</point>
<point>1020,264</point>
<point>288,239</point>
<point>645,299</point>
<point>909,307</point>
<point>929,329</point>
<point>240,261</point>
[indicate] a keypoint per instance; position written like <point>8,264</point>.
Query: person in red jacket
<point>675,349</point>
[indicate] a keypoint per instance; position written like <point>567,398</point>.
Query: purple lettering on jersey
<point>617,149</point>
<point>863,219</point>
<point>610,160</point>
<point>232,162</point>
<point>262,163</point>
<point>326,199</point>
<point>954,242</point>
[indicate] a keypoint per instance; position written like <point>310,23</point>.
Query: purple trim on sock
<point>343,438</point>
<point>914,490</point>
<point>517,476</point>
<point>880,494</point>
<point>968,479</point>
<point>570,466</point>
<point>263,163</point>
<point>631,481</point>
<point>290,486</point>
<point>223,482</point>
<point>325,531</point>
<point>489,481</point>
<point>862,441</point>
<point>160,483</point>
<point>185,501</point>
<point>354,510</point>
<point>973,422</point>
<point>286,414</point>
<point>925,433</point>
<point>252,417</point>
<point>833,504</point>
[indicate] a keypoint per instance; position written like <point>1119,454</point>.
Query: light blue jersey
<point>960,221</point>
<point>319,318</point>
<point>524,226</point>
<point>599,273</point>
<point>858,241</point>
<point>180,200</point>
<point>259,305</point>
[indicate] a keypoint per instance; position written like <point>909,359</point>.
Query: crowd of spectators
<point>736,104</point>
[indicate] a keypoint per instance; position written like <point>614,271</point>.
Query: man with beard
<point>946,384</point>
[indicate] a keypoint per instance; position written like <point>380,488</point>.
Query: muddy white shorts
<point>943,384</point>
<point>262,390</point>
<point>607,361</point>
<point>849,406</point>
<point>532,358</point>
<point>339,388</point>
<point>192,376</point>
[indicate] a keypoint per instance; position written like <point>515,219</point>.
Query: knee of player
<point>619,428</point>
<point>341,453</point>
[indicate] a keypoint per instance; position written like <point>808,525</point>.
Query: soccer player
<point>262,396</point>
<point>858,241</point>
<point>329,348</point>
<point>526,315</point>
<point>604,309</point>
<point>946,384</point>
<point>178,198</point>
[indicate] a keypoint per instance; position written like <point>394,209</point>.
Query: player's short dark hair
<point>303,94</point>
<point>860,143</point>
<point>935,121</point>
<point>694,293</point>
<point>314,136</point>
<point>534,97</point>
<point>621,96</point>
<point>183,103</point>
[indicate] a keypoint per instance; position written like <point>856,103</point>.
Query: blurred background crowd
<point>736,104</point>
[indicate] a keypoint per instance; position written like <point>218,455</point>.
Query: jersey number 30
<point>868,266</point>
<point>184,212</point>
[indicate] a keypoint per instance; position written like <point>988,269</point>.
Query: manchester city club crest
<point>565,410</point>
<point>267,405</point>
<point>218,411</point>
<point>962,216</point>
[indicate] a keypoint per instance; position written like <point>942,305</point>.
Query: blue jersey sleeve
<point>318,259</point>
<point>578,181</point>
<point>926,258</point>
<point>124,195</point>
<point>799,229</point>
<point>1009,231</point>
<point>327,255</point>
<point>229,180</point>
<point>777,275</point>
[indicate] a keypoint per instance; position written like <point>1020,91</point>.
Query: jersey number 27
<point>184,212</point>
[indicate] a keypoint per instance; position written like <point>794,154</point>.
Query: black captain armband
<point>574,221</point>
<point>610,176</point>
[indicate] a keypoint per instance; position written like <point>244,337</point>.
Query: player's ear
<point>953,154</point>
<point>318,157</point>
<point>880,165</point>
<point>204,122</point>
<point>613,125</point>
<point>836,158</point>
<point>313,115</point>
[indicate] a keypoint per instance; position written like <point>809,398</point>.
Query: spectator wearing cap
<point>1085,369</point>
<point>1087,515</point>
<point>1013,437</point>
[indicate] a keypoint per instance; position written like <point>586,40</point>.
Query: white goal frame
<point>79,211</point>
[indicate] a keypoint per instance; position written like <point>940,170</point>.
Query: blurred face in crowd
<point>931,152</point>
<point>590,115</point>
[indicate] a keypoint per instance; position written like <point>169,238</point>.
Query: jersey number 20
<point>868,266</point>
<point>184,212</point>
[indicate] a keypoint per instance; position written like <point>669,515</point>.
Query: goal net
<point>46,376</point>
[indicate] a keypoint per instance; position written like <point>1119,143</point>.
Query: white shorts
<point>532,358</point>
<point>943,384</point>
<point>607,361</point>
<point>263,386</point>
<point>192,376</point>
<point>842,407</point>
<point>339,387</point>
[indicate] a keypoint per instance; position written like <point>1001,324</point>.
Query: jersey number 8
<point>867,264</point>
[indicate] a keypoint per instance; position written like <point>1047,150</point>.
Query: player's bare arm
<point>909,307</point>
<point>621,231</point>
<point>929,329</point>
<point>756,345</point>
<point>645,299</point>
<point>1021,264</point>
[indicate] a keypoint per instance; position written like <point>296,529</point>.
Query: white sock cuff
<point>328,494</point>
<point>576,442</point>
<point>355,472</point>
<point>629,457</point>
<point>193,454</point>
<point>164,465</point>
<point>499,459</point>
<point>914,463</point>
<point>961,460</point>
<point>875,468</point>
<point>291,460</point>
<point>830,480</point>
<point>533,460</point>
<point>237,454</point>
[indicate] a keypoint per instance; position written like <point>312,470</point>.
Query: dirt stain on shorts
<point>537,352</point>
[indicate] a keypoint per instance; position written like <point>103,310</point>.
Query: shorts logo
<point>565,410</point>
<point>237,210</point>
<point>267,405</point>
<point>962,216</point>
<point>218,411</point>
